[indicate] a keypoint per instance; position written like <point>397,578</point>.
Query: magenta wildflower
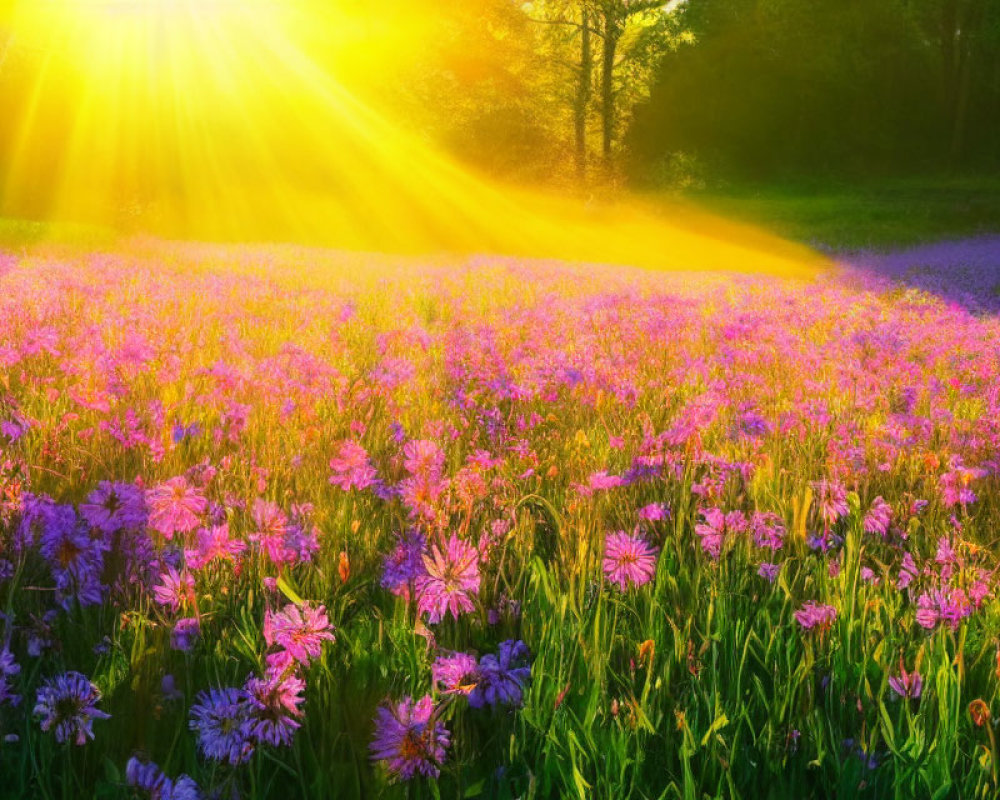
<point>831,501</point>
<point>409,739</point>
<point>213,544</point>
<point>423,457</point>
<point>654,512</point>
<point>878,517</point>
<point>175,507</point>
<point>352,468</point>
<point>815,615</point>
<point>767,530</point>
<point>908,684</point>
<point>274,708</point>
<point>174,590</point>
<point>450,582</point>
<point>628,560</point>
<point>300,631</point>
<point>67,704</point>
<point>456,673</point>
<point>716,528</point>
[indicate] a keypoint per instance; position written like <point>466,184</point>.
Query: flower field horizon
<point>278,522</point>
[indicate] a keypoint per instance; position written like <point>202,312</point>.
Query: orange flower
<point>344,567</point>
<point>647,650</point>
<point>980,712</point>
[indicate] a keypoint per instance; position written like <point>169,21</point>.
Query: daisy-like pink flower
<point>300,631</point>
<point>175,589</point>
<point>352,467</point>
<point>175,507</point>
<point>628,560</point>
<point>410,739</point>
<point>455,673</point>
<point>423,457</point>
<point>816,615</point>
<point>716,527</point>
<point>450,582</point>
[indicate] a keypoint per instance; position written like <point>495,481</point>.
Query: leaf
<point>720,722</point>
<point>289,592</point>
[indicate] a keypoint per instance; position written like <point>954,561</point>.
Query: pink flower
<point>815,615</point>
<point>628,560</point>
<point>352,467</point>
<point>451,581</point>
<point>300,631</point>
<point>174,589</point>
<point>175,507</point>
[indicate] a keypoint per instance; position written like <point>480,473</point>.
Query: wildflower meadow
<point>280,522</point>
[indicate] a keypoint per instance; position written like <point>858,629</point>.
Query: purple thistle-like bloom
<point>409,738</point>
<point>175,507</point>
<point>450,581</point>
<point>148,777</point>
<point>405,563</point>
<point>300,631</point>
<point>113,507</point>
<point>502,677</point>
<point>628,560</point>
<point>67,704</point>
<point>274,706</point>
<point>352,467</point>
<point>221,718</point>
<point>769,571</point>
<point>456,673</point>
<point>878,517</point>
<point>813,615</point>
<point>184,634</point>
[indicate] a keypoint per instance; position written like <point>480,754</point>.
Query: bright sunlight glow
<point>260,121</point>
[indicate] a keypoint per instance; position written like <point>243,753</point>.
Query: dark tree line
<point>805,87</point>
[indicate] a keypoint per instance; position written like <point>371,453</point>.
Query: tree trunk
<point>583,99</point>
<point>611,35</point>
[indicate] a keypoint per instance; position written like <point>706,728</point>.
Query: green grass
<point>861,216</point>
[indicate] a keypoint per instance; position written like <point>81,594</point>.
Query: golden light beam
<point>223,120</point>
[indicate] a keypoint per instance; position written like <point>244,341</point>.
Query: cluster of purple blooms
<point>231,722</point>
<point>410,738</point>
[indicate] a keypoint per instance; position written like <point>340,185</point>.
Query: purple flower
<point>148,777</point>
<point>456,673</point>
<point>409,739</point>
<point>300,631</point>
<point>184,634</point>
<point>815,615</point>
<point>450,582</point>
<point>502,677</point>
<point>628,560</point>
<point>221,718</point>
<point>769,571</point>
<point>716,528</point>
<point>274,708</point>
<point>8,669</point>
<point>67,704</point>
<point>405,563</point>
<point>113,507</point>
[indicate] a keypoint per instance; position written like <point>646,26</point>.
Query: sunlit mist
<point>263,121</point>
